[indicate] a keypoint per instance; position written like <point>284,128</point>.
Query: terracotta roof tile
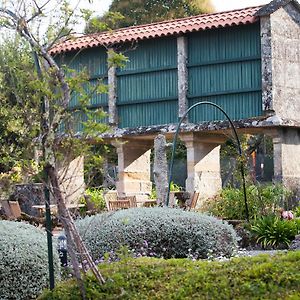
<point>166,28</point>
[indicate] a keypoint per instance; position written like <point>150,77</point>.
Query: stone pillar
<point>287,158</point>
<point>133,168</point>
<point>203,166</point>
<point>71,179</point>
<point>182,75</point>
<point>112,93</point>
<point>160,169</point>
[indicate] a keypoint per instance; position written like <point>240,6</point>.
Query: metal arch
<point>239,149</point>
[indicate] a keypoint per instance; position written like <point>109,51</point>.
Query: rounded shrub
<point>158,232</point>
<point>23,261</point>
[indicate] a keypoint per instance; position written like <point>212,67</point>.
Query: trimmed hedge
<point>261,277</point>
<point>157,232</point>
<point>23,261</point>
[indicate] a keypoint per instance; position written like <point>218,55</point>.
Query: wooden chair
<point>122,203</point>
<point>110,196</point>
<point>118,204</point>
<point>11,209</point>
<point>194,200</point>
<point>132,200</point>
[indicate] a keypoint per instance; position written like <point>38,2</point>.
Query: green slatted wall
<point>94,61</point>
<point>147,86</point>
<point>225,68</point>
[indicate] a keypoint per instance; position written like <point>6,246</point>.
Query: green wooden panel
<point>225,68</point>
<point>238,106</point>
<point>147,86</point>
<point>156,113</point>
<point>149,54</point>
<point>225,77</point>
<point>94,61</point>
<point>95,99</point>
<point>224,44</point>
<point>98,99</point>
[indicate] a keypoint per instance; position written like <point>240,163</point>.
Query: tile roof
<point>160,29</point>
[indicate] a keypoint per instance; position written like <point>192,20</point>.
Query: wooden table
<point>53,207</point>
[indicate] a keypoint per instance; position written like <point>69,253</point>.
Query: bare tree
<point>19,17</point>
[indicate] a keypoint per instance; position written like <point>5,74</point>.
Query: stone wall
<point>280,36</point>
<point>285,28</point>
<point>286,158</point>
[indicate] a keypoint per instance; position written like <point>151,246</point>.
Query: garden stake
<point>46,191</point>
<point>239,148</point>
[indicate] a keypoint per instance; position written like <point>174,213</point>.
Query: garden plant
<point>158,232</point>
<point>23,261</point>
<point>263,277</point>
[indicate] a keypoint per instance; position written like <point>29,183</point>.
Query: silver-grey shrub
<point>158,232</point>
<point>23,261</point>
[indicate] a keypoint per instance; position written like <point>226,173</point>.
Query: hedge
<point>261,277</point>
<point>158,232</point>
<point>24,261</point>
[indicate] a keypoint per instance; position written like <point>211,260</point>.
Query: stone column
<point>182,75</point>
<point>112,93</point>
<point>203,166</point>
<point>133,168</point>
<point>160,168</point>
<point>287,158</point>
<point>71,179</point>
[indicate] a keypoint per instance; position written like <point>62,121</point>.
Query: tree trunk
<point>73,238</point>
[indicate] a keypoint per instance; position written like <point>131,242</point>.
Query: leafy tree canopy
<point>124,13</point>
<point>19,103</point>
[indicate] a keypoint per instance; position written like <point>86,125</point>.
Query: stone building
<point>247,61</point>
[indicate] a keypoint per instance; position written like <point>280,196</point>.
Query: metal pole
<point>46,192</point>
<point>239,148</point>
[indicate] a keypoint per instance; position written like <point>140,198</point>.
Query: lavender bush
<point>23,261</point>
<point>158,232</point>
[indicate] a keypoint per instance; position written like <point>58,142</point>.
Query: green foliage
<point>263,277</point>
<point>262,200</point>
<point>158,231</point>
<point>124,13</point>
<point>175,187</point>
<point>96,197</point>
<point>153,194</point>
<point>297,212</point>
<point>23,261</point>
<point>19,104</point>
<point>275,232</point>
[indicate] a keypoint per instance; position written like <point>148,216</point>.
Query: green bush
<point>96,197</point>
<point>261,199</point>
<point>296,211</point>
<point>275,232</point>
<point>159,232</point>
<point>263,277</point>
<point>23,261</point>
